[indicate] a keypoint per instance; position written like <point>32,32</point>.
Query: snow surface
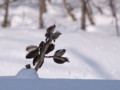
<point>91,55</point>
<point>57,84</point>
<point>32,82</point>
<point>94,55</point>
<point>27,74</point>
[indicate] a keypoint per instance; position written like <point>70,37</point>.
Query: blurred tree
<point>113,11</point>
<point>89,6</point>
<point>69,10</point>
<point>97,7</point>
<point>86,11</point>
<point>49,1</point>
<point>83,19</point>
<point>42,10</point>
<point>5,21</point>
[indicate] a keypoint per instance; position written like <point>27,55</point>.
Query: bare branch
<point>69,10</point>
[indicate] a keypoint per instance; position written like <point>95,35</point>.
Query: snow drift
<point>27,79</point>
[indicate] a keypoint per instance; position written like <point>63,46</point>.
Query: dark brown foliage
<point>36,59</point>
<point>60,60</point>
<point>50,48</point>
<point>60,52</point>
<point>32,54</point>
<point>31,48</point>
<point>28,66</point>
<point>38,52</point>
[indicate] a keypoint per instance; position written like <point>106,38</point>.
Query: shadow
<point>91,62</point>
<point>16,83</point>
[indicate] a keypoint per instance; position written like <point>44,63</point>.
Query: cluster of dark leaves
<point>35,52</point>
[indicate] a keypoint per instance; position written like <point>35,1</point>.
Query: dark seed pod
<point>49,32</point>
<point>51,29</point>
<point>50,48</point>
<point>32,54</point>
<point>60,52</point>
<point>36,59</point>
<point>47,35</point>
<point>60,60</point>
<point>28,66</point>
<point>55,35</point>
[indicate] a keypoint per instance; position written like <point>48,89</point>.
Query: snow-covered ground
<point>94,55</point>
<point>27,79</point>
<point>91,55</point>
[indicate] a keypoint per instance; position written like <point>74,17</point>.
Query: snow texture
<point>57,84</point>
<point>27,73</point>
<point>27,79</point>
<point>94,55</point>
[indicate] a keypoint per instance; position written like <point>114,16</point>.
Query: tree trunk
<point>89,16</point>
<point>44,6</point>
<point>83,18</point>
<point>5,21</point>
<point>41,11</point>
<point>112,7</point>
<point>49,1</point>
<point>98,8</point>
<point>89,6</point>
<point>68,10</point>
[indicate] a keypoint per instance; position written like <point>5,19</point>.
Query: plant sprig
<point>38,53</point>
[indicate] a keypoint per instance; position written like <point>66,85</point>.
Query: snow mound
<point>27,73</point>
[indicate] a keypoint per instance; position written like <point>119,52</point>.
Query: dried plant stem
<point>42,57</point>
<point>49,56</point>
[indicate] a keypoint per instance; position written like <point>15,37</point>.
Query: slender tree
<point>89,14</point>
<point>49,1</point>
<point>83,19</point>
<point>113,10</point>
<point>97,7</point>
<point>41,12</point>
<point>5,21</point>
<point>69,10</point>
<point>86,11</point>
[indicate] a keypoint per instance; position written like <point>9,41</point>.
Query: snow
<point>58,84</point>
<point>27,74</point>
<point>27,79</point>
<point>93,55</point>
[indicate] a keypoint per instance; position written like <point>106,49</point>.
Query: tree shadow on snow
<point>92,63</point>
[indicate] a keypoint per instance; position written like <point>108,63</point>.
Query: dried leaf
<point>32,54</point>
<point>60,52</point>
<point>36,59</point>
<point>28,66</point>
<point>60,60</point>
<point>50,48</point>
<point>31,48</point>
<point>55,35</point>
<point>51,29</point>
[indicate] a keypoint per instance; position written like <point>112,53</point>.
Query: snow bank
<point>27,73</point>
<point>57,84</point>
